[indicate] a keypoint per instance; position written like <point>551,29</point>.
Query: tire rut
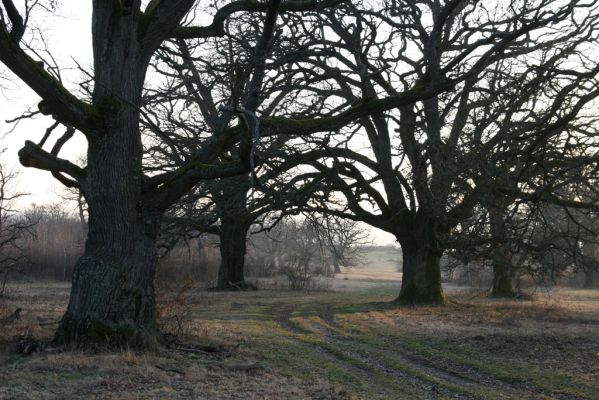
<point>458,375</point>
<point>415,382</point>
<point>282,314</point>
<point>409,385</point>
<point>378,358</point>
<point>419,384</point>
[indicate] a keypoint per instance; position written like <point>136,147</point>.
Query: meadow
<point>353,343</point>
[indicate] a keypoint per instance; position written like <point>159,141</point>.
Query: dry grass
<point>127,375</point>
<point>353,344</point>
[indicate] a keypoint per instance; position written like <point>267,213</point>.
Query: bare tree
<point>443,159</point>
<point>537,167</point>
<point>304,256</point>
<point>229,208</point>
<point>56,244</point>
<point>222,79</point>
<point>13,227</point>
<point>112,295</point>
<point>343,239</point>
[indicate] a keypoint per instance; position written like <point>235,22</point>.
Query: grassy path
<point>378,351</point>
<point>325,345</point>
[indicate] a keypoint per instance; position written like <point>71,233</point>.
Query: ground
<point>348,344</point>
<point>349,341</point>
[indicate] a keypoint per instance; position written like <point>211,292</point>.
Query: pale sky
<point>69,38</point>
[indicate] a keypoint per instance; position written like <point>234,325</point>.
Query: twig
<point>245,367</point>
<point>202,349</point>
<point>174,370</point>
<point>48,323</point>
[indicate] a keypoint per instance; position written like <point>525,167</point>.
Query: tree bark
<point>503,278</point>
<point>232,251</point>
<point>421,278</point>
<point>112,295</point>
<point>336,264</point>
<point>503,271</point>
<point>230,196</point>
<point>590,277</point>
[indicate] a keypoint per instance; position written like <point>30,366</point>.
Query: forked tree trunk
<point>421,278</point>
<point>231,274</point>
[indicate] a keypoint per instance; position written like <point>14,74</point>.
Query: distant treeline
<point>51,249</point>
<point>294,249</point>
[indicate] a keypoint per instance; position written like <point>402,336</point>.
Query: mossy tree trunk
<point>112,295</point>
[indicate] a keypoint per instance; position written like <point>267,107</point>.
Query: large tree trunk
<point>336,264</point>
<point>112,296</point>
<point>232,251</point>
<point>503,271</point>
<point>590,277</point>
<point>421,278</point>
<point>421,281</point>
<point>503,278</point>
<point>590,251</point>
<point>230,196</point>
